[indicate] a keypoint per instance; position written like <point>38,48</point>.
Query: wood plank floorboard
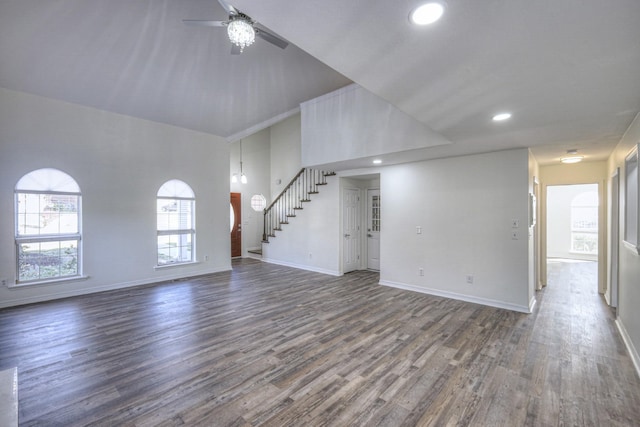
<point>267,345</point>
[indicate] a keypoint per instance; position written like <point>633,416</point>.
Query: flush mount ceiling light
<point>427,13</point>
<point>377,161</point>
<point>501,117</point>
<point>572,158</point>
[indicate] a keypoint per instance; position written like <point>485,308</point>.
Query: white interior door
<point>351,230</point>
<point>612,291</point>
<point>373,229</point>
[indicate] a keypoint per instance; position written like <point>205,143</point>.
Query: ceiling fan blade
<point>271,38</point>
<point>235,49</point>
<point>201,23</point>
<point>230,9</point>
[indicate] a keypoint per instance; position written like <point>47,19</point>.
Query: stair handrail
<point>295,178</point>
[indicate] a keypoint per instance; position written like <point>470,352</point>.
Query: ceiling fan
<point>241,29</point>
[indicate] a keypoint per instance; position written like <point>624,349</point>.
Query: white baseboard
<point>629,344</point>
<point>302,267</point>
<point>461,297</point>
<point>102,288</point>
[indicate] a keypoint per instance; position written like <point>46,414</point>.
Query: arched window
<point>48,226</point>
<point>175,212</point>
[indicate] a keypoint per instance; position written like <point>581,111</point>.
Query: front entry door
<point>236,227</point>
<point>373,229</point>
<point>351,230</point>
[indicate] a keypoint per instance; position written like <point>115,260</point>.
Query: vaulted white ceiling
<point>136,57</point>
<point>567,70</point>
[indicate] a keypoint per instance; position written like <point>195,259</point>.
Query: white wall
<point>285,153</point>
<point>629,261</point>
<point>256,152</point>
<point>353,123</point>
<point>311,239</point>
<point>465,206</point>
<point>119,163</point>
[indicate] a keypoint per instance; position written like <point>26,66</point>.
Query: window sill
<point>48,282</point>
<point>175,264</point>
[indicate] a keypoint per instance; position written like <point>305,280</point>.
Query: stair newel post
<point>264,225</point>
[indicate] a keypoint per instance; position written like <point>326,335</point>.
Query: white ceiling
<point>568,70</point>
<point>136,57</point>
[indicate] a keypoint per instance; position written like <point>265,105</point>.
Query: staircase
<point>290,201</point>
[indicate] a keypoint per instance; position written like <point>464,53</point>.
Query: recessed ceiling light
<point>377,161</point>
<point>573,159</point>
<point>427,13</point>
<point>501,117</point>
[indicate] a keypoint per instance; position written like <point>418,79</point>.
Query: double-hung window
<point>584,223</point>
<point>175,213</point>
<point>47,226</point>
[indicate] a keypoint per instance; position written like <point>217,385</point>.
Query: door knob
<point>347,235</point>
<point>369,235</point>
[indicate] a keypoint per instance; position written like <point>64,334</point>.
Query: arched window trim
<point>175,238</point>
<point>38,261</point>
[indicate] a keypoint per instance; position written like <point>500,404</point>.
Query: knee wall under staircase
<point>291,200</point>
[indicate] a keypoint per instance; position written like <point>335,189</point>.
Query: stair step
<point>305,200</point>
<point>329,174</point>
<point>298,209</point>
<point>290,216</point>
<point>321,183</point>
<point>313,192</point>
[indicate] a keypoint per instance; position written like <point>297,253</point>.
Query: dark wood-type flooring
<point>267,345</point>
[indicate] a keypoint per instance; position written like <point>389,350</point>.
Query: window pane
<point>174,214</point>
<point>44,260</point>
<point>175,248</point>
<point>584,243</point>
<point>46,214</point>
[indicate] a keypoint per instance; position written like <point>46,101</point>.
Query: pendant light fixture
<point>243,177</point>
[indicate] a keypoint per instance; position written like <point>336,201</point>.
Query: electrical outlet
<point>515,223</point>
<point>470,279</point>
<point>514,235</point>
<point>206,258</point>
<point>418,229</point>
<point>3,282</point>
<point>421,272</point>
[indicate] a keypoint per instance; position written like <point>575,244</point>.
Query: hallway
<point>584,348</point>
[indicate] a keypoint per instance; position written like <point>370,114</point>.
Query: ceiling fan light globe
<point>241,33</point>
